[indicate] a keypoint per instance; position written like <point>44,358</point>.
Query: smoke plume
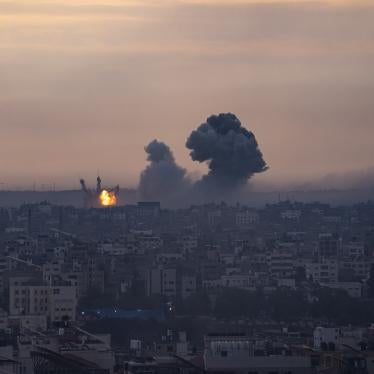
<point>232,154</point>
<point>162,178</point>
<point>231,151</point>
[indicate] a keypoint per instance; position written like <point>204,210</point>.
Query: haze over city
<point>186,187</point>
<point>85,85</point>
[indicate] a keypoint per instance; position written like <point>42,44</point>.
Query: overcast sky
<point>85,84</point>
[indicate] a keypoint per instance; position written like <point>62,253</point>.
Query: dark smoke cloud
<point>162,178</point>
<point>158,151</point>
<point>230,150</point>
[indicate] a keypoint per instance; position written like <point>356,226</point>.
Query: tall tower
<point>98,185</point>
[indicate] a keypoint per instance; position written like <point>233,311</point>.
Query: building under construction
<point>99,197</point>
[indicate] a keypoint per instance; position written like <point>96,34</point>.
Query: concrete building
<point>328,245</point>
<point>56,302</point>
<point>237,354</point>
<point>246,218</point>
<point>325,337</point>
<point>291,214</point>
<point>162,281</point>
<point>29,322</point>
<point>281,265</point>
<point>188,243</point>
<point>169,282</point>
<point>237,281</point>
<point>359,266</point>
<point>188,285</point>
<point>62,303</point>
<point>353,289</point>
<point>325,271</point>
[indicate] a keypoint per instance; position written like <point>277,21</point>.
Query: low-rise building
<point>353,289</point>
<point>325,271</point>
<point>237,354</point>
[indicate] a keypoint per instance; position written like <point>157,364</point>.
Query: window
<point>56,291</point>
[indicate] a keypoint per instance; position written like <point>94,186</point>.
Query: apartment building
<point>29,297</point>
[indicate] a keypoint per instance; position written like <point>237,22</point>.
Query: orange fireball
<point>108,198</point>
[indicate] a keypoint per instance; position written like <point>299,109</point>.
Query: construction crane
<point>98,184</point>
<point>99,197</point>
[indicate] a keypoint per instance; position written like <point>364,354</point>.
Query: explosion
<point>108,198</point>
<point>99,197</point>
<point>230,151</point>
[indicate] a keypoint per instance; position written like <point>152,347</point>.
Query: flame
<point>108,198</point>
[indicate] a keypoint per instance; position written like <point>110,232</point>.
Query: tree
<point>197,304</point>
<point>234,302</point>
<point>286,305</point>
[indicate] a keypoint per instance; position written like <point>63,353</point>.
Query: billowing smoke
<point>232,154</point>
<point>231,151</point>
<point>162,178</point>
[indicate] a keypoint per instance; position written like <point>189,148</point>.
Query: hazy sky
<point>85,84</point>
